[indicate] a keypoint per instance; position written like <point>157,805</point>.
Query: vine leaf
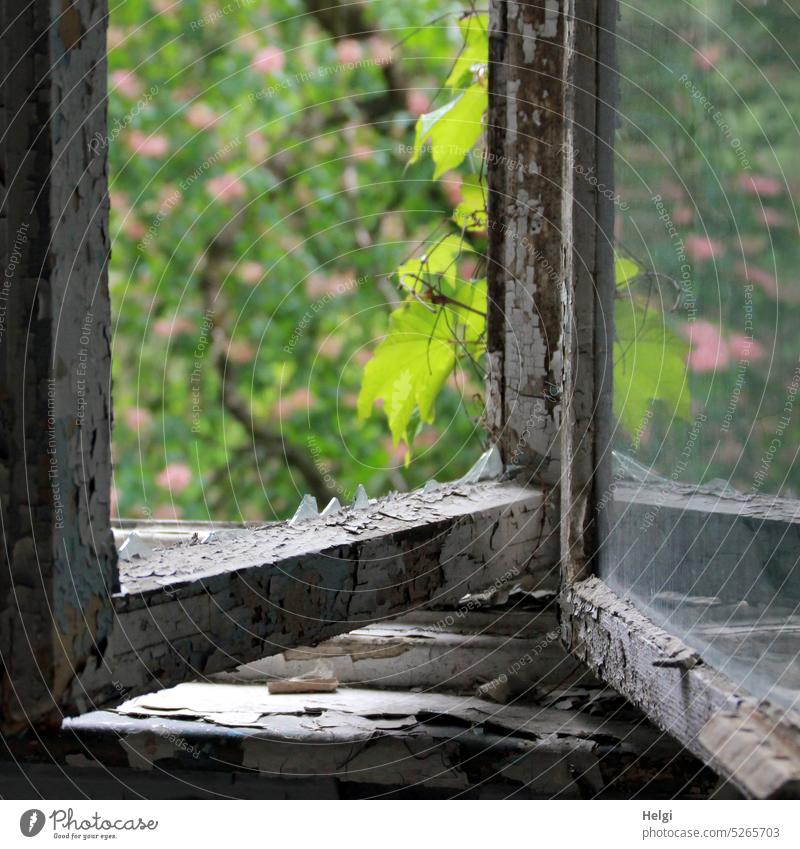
<point>409,368</point>
<point>649,365</point>
<point>471,212</point>
<point>475,53</point>
<point>452,130</point>
<point>625,270</point>
<point>434,268</point>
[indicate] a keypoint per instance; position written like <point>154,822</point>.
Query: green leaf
<point>625,270</point>
<point>434,268</point>
<point>649,365</point>
<point>409,368</point>
<point>471,212</point>
<point>472,295</point>
<point>475,30</point>
<point>452,130</point>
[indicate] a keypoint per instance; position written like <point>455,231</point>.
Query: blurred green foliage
<point>261,198</point>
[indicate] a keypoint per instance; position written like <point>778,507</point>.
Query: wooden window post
<point>55,479</point>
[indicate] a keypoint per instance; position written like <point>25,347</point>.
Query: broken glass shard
<point>307,510</point>
<point>361,501</point>
<point>333,507</point>
<point>488,467</point>
<point>134,546</point>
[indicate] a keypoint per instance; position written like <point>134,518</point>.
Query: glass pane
<point>700,515</point>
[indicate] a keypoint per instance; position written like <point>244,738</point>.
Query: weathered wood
<point>589,281</point>
<point>529,213</point>
<point>58,552</point>
<point>751,743</point>
<point>412,745</point>
<point>198,609</point>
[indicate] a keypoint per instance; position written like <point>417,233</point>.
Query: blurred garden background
<point>707,170</point>
<point>261,196</point>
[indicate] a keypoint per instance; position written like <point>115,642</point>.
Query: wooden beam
<point>529,229</point>
<point>753,744</point>
<point>55,462</point>
<point>192,610</point>
<point>587,407</point>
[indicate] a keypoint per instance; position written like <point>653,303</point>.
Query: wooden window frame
<point>79,631</point>
<point>751,742</point>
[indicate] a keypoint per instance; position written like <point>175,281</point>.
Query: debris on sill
<point>319,680</point>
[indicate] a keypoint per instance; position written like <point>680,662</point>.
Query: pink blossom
<point>380,50</point>
<point>166,328</point>
<point>330,347</point>
<point>154,146</point>
<point>702,248</point>
<point>115,37</point>
<point>760,277</point>
<point>226,187</point>
<point>348,51</point>
<point>683,215</point>
<point>241,352</point>
<point>269,60</point>
<point>744,348</point>
<point>417,102</point>
<point>395,454</point>
<point>133,228</point>
<point>201,116</point>
<point>708,57</point>
<point>772,218</point>
<point>167,511</point>
<point>761,185</point>
<point>257,147</point>
<point>363,152</point>
<point>175,477</point>
<point>451,186</point>
<point>293,402</point>
<point>251,272</point>
<point>126,83</point>
<point>318,285</point>
<point>137,418</point>
<point>709,351</point>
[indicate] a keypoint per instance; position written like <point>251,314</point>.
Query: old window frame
<point>82,635</point>
<point>753,743</point>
